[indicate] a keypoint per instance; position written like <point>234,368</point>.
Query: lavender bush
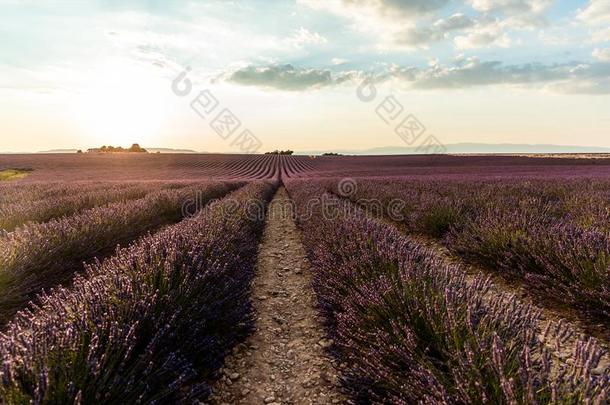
<point>19,213</point>
<point>149,325</point>
<point>552,233</point>
<point>413,329</point>
<point>38,256</point>
<point>14,193</point>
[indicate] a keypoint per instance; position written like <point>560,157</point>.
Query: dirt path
<point>284,361</point>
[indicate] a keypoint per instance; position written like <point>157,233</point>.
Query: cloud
<point>474,24</point>
<point>484,34</point>
<point>455,22</point>
<point>435,33</point>
<point>567,78</point>
<point>602,54</point>
<point>382,8</point>
<point>595,13</point>
<point>488,29</point>
<point>516,14</point>
<point>405,7</point>
<point>303,36</point>
<point>338,61</point>
<point>473,72</point>
<point>286,77</point>
<point>601,35</point>
<point>384,19</point>
<point>511,7</point>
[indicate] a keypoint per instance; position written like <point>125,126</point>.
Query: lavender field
<point>431,279</point>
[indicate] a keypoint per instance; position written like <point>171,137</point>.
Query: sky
<point>232,76</point>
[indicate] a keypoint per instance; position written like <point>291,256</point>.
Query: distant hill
<point>150,150</point>
<point>59,151</point>
<point>455,148</point>
<point>469,148</point>
<point>170,150</point>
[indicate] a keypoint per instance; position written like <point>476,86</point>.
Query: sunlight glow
<point>123,106</point>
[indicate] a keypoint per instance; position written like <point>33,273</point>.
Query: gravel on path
<point>285,360</point>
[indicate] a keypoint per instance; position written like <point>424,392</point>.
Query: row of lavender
<point>413,329</point>
<point>68,199</point>
<point>11,193</point>
<point>154,167</point>
<point>37,256</point>
<point>151,324</point>
<point>552,233</point>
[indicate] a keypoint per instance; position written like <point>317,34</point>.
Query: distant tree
<point>135,148</point>
<point>331,154</point>
<point>280,152</point>
<point>79,151</point>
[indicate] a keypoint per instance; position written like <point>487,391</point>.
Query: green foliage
<point>438,220</point>
<point>14,174</point>
<point>135,148</point>
<point>280,152</point>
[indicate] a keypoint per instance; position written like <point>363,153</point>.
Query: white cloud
<point>303,36</point>
<point>384,19</point>
<point>518,13</point>
<point>338,61</point>
<point>597,12</point>
<point>568,78</point>
<point>601,35</point>
<point>597,16</point>
<point>404,7</point>
<point>438,31</point>
<point>511,6</point>
<point>602,54</point>
<point>471,72</point>
<point>399,24</point>
<point>482,35</point>
<point>381,8</point>
<point>286,77</point>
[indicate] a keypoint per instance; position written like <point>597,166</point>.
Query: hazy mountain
<point>151,150</point>
<point>467,148</point>
<point>169,150</point>
<point>470,148</point>
<point>59,151</point>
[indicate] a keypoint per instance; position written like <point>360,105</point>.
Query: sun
<point>125,104</point>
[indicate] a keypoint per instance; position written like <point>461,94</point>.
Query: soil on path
<point>284,361</point>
